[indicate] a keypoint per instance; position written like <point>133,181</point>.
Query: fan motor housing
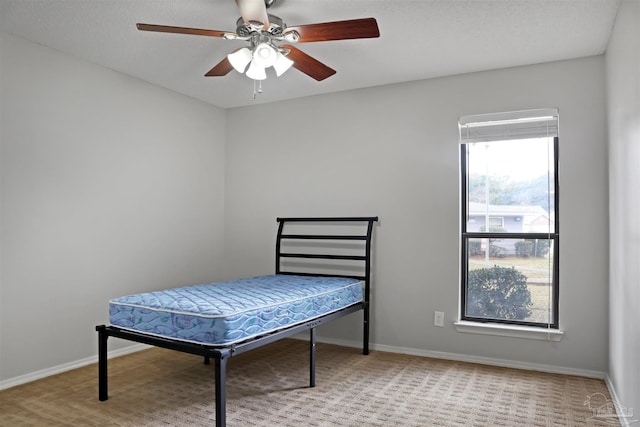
<point>276,27</point>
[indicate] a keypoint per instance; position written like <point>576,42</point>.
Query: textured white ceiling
<point>418,39</point>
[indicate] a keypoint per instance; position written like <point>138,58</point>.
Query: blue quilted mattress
<point>225,313</point>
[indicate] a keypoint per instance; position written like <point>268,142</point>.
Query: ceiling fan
<point>268,36</point>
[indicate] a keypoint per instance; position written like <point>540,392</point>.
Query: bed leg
<point>221,390</point>
<point>312,357</point>
<point>365,331</point>
<point>103,393</point>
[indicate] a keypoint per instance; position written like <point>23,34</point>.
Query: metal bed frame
<point>221,354</point>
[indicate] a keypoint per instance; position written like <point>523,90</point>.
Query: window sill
<point>514,331</point>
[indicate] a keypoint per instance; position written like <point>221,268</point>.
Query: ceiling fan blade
<point>253,10</point>
<point>339,30</point>
<point>181,30</point>
<point>222,68</point>
<point>308,65</point>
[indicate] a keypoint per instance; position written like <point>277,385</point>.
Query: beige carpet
<point>268,387</point>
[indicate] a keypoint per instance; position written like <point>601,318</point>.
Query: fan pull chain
<point>257,90</point>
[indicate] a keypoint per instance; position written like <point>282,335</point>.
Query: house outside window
<point>509,227</point>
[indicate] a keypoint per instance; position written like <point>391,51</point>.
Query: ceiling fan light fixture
<point>240,59</point>
<point>256,71</point>
<point>282,64</point>
<point>264,55</point>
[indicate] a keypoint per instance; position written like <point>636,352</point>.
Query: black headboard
<point>329,243</point>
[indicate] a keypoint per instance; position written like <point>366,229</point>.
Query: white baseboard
<point>625,419</point>
<point>32,376</point>
<point>505,363</point>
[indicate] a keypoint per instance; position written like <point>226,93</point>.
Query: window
<point>496,221</point>
<point>509,224</point>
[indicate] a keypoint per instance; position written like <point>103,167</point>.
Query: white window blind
<point>509,126</point>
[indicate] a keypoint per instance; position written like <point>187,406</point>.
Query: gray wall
<point>392,151</point>
<point>109,186</point>
<point>623,90</point>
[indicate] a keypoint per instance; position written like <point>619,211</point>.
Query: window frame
<point>465,237</point>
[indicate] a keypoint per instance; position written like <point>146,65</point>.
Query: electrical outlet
<point>438,318</point>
